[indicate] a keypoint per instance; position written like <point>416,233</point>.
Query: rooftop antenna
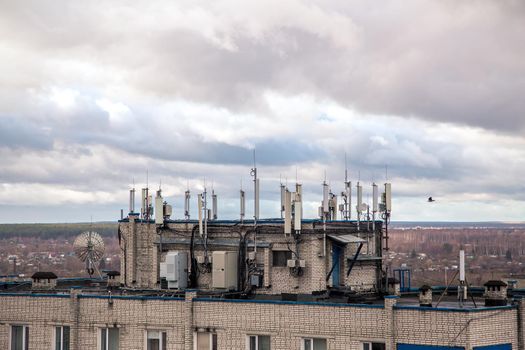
<point>199,209</point>
<point>89,248</point>
<point>367,212</point>
<point>298,208</point>
<point>283,195</point>
<point>242,204</point>
<point>255,199</point>
<point>347,195</point>
<point>159,208</point>
<point>146,202</point>
<point>202,201</point>
<point>325,209</point>
<point>287,212</point>
<point>187,197</point>
<point>132,199</point>
<point>386,208</point>
<point>206,216</point>
<point>375,205</point>
<point>462,288</point>
<point>359,206</point>
<point>213,204</point>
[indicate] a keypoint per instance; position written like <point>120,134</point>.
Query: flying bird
<point>430,200</point>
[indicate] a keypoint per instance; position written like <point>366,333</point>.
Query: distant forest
<point>47,231</point>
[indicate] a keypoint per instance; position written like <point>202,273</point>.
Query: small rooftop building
<point>113,278</point>
<point>394,286</point>
<point>425,296</point>
<point>495,293</point>
<point>44,280</point>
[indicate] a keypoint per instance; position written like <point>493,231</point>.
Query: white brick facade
<point>344,326</point>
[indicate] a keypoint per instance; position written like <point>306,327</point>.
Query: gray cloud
<point>16,133</point>
<point>459,63</point>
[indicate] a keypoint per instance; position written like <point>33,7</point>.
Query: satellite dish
<point>89,248</point>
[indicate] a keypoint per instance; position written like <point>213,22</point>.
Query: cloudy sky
<point>94,95</point>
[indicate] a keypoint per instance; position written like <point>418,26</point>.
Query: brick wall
<point>140,257</point>
<point>456,327</point>
<point>344,326</point>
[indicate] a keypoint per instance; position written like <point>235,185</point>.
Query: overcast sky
<point>93,95</point>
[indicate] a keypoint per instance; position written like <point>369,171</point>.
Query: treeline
<point>47,231</point>
<point>477,242</point>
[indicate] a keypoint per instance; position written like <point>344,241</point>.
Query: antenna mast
<point>255,199</point>
<point>187,197</point>
<point>347,196</point>
<point>283,195</point>
<point>242,204</point>
<point>132,199</point>
<point>359,206</point>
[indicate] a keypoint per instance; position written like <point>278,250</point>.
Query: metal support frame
<point>404,279</point>
<point>352,263</point>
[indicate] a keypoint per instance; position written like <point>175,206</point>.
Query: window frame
<point>311,339</point>
<point>371,344</point>
<point>163,338</point>
<point>249,336</point>
<point>25,335</point>
<point>100,343</point>
<point>61,336</point>
<point>212,336</point>
<point>289,255</point>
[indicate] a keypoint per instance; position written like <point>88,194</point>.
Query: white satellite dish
<point>89,248</point>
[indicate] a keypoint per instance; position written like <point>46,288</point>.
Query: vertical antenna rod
<point>359,205</point>
<point>242,204</point>
<point>347,195</point>
<point>187,197</point>
<point>375,205</point>
<point>325,211</point>
<point>255,199</point>
<point>132,200</point>
<point>283,195</point>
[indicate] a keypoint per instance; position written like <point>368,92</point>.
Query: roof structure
<point>425,287</point>
<point>40,275</point>
<point>345,239</point>
<point>495,283</point>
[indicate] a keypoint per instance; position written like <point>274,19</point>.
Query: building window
<point>156,340</point>
<point>281,257</point>
<point>373,346</point>
<point>258,342</point>
<point>109,339</point>
<point>314,344</point>
<point>19,337</point>
<point>206,341</point>
<point>62,338</point>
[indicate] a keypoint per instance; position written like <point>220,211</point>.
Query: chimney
<point>44,280</point>
<point>495,293</point>
<point>113,279</point>
<point>394,287</point>
<point>425,296</point>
